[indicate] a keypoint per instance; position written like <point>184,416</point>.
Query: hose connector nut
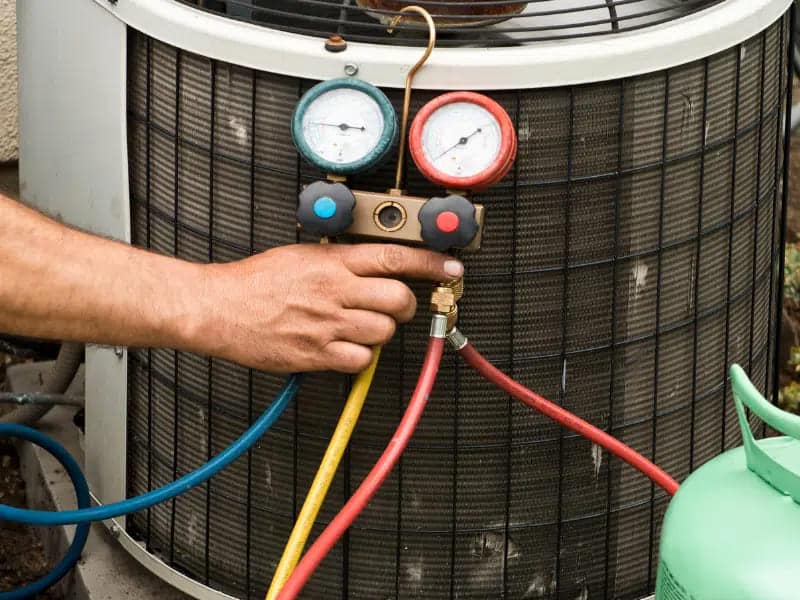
<point>443,300</point>
<point>457,339</point>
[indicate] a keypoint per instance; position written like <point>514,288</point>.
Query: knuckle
<point>314,283</point>
<point>403,301</point>
<point>349,359</point>
<point>412,308</point>
<point>399,295</point>
<point>385,330</point>
<point>341,326</point>
<point>360,361</point>
<point>392,258</point>
<point>307,342</point>
<point>348,366</point>
<point>410,302</point>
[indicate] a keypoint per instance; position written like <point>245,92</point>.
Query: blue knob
<point>325,207</point>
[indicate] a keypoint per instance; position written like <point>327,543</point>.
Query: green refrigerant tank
<point>732,532</point>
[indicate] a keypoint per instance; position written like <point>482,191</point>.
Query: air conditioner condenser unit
<point>631,254</point>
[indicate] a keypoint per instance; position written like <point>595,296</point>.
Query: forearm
<point>59,283</point>
<point>293,308</point>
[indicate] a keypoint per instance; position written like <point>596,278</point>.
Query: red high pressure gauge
<point>463,141</point>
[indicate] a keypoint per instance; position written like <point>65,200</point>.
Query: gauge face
<point>463,140</point>
<point>344,126</point>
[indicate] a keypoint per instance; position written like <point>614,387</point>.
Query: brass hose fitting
<point>452,318</point>
<point>457,287</point>
<point>444,300</point>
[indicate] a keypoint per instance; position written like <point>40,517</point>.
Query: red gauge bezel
<point>480,181</point>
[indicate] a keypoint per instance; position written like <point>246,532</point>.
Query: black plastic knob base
<point>448,222</point>
<point>326,208</point>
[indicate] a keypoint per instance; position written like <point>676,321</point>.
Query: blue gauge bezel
<point>385,144</point>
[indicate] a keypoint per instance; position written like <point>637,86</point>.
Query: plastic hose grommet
<point>73,555</point>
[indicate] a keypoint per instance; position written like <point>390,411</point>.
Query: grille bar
<point>759,156</point>
<point>696,284</point>
<point>729,266</point>
<point>148,96</point>
<point>250,409</point>
<point>176,251</point>
<point>210,378</point>
<point>791,17</point>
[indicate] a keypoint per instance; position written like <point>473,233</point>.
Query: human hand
<point>310,307</point>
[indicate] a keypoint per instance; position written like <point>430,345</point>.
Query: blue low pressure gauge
<point>344,126</point>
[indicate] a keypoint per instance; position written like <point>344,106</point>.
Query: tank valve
<point>444,300</point>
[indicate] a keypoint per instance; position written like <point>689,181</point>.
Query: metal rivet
<point>115,530</point>
<point>351,69</point>
<point>118,351</point>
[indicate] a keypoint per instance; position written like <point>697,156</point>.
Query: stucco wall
<point>8,80</point>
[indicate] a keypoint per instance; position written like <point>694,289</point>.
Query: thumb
<point>380,260</point>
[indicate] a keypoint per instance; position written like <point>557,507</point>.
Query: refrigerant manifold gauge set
<point>462,141</point>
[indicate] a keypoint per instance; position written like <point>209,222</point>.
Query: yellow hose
<point>324,477</point>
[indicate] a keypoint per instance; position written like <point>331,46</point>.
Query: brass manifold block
<point>444,300</point>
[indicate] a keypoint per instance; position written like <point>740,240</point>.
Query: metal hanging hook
<point>409,80</point>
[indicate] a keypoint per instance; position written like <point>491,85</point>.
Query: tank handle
<point>759,461</point>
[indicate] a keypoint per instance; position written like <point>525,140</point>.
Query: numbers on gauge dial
<point>343,125</point>
<point>461,139</point>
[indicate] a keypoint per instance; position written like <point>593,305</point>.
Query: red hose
<point>373,481</point>
<point>476,360</point>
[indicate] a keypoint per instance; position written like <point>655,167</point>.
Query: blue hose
<point>180,486</point>
<point>73,555</point>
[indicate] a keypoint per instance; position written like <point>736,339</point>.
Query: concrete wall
<point>8,80</point>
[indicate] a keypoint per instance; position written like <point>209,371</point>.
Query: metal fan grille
<point>460,23</point>
<point>631,254</point>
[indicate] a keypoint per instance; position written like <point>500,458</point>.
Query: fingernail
<point>453,268</point>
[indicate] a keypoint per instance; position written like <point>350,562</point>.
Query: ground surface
<point>21,555</point>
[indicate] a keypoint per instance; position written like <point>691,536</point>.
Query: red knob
<point>448,222</point>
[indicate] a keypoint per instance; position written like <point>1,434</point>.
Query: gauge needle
<point>461,142</point>
<point>342,126</point>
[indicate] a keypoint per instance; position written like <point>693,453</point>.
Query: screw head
<point>115,530</point>
<point>351,69</point>
<point>118,351</point>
